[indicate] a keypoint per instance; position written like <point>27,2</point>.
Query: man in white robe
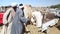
<point>7,20</point>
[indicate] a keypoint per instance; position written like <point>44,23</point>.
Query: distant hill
<point>55,6</point>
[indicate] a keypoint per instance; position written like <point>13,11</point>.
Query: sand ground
<point>34,30</point>
<point>53,30</point>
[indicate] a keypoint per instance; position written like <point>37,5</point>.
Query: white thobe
<point>5,21</point>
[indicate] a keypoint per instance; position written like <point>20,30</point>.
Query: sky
<point>30,2</point>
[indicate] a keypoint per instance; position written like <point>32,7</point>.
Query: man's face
<point>15,8</point>
<point>21,7</point>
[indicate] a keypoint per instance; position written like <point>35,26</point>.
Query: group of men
<point>14,20</point>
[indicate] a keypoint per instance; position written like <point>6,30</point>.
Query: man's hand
<point>24,24</point>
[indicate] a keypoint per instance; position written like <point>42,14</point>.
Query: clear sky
<point>31,2</point>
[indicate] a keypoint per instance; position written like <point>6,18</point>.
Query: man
<point>19,19</point>
<point>7,20</point>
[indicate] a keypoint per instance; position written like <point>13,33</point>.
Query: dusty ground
<point>34,30</point>
<point>53,30</point>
